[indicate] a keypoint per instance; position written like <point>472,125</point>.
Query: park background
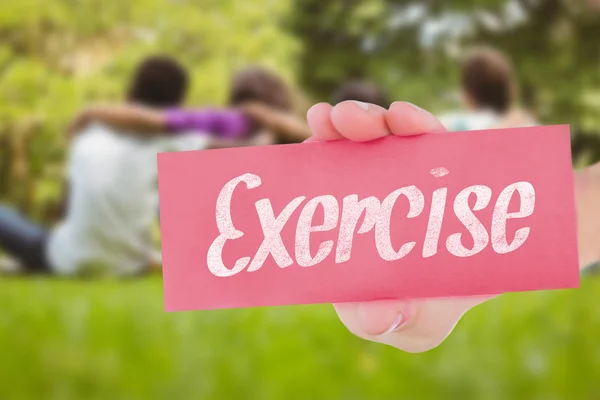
<point>107,339</point>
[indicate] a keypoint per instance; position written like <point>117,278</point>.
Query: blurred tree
<point>55,56</point>
<point>375,39</point>
<point>411,48</point>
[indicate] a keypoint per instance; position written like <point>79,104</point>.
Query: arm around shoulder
<point>283,124</point>
<point>131,118</point>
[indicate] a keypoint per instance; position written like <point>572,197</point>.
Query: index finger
<point>358,121</point>
<point>318,118</point>
<point>406,119</point>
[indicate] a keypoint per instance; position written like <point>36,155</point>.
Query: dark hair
<point>158,81</point>
<point>257,84</point>
<point>487,77</point>
<point>366,92</point>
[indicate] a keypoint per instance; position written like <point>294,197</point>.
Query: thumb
<point>409,325</point>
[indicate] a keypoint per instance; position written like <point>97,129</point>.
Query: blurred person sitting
<point>488,91</point>
<point>111,194</point>
<point>363,91</point>
<point>259,113</point>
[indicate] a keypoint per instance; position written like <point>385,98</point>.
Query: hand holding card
<point>294,240</point>
<point>412,325</point>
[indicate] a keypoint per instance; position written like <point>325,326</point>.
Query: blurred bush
<point>56,56</point>
<point>411,48</point>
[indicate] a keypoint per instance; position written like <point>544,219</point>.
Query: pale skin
<point>146,121</point>
<point>422,324</point>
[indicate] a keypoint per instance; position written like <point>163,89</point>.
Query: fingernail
<point>411,105</point>
<point>397,324</point>
<point>370,108</point>
<point>362,105</point>
<point>416,107</point>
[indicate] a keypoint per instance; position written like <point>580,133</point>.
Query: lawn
<point>112,340</point>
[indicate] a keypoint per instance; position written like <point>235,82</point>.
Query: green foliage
<point>554,50</point>
<point>57,56</point>
<point>112,340</point>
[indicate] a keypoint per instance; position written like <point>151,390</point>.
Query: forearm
<point>289,127</point>
<point>127,118</point>
<point>284,125</point>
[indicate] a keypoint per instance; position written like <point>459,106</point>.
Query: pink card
<point>436,215</point>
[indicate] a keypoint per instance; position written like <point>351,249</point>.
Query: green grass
<point>112,340</point>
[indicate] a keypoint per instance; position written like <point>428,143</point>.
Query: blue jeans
<point>24,241</point>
